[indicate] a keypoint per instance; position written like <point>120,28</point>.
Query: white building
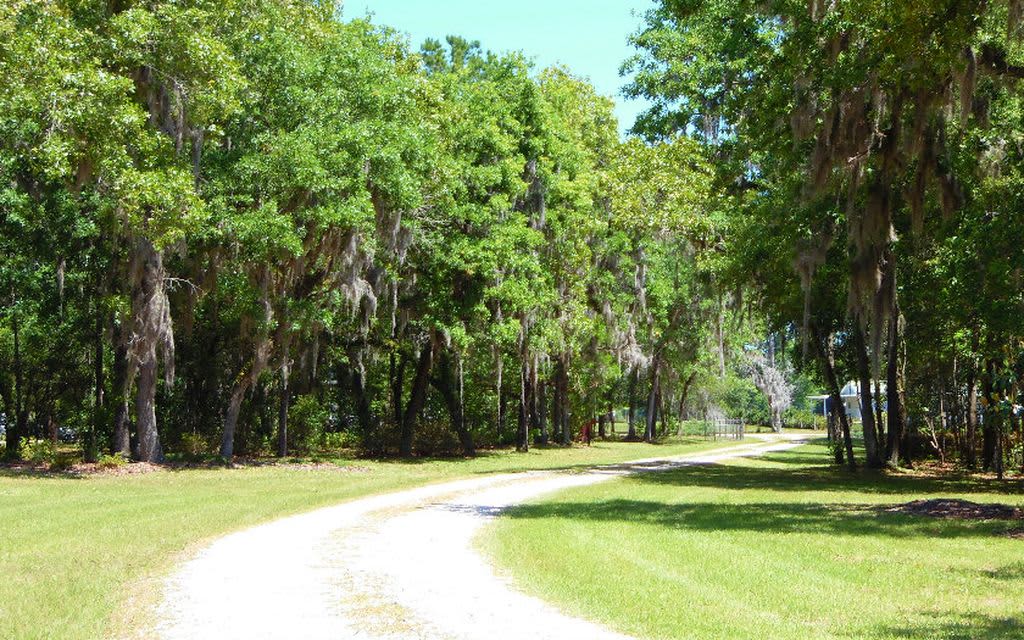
<point>851,399</point>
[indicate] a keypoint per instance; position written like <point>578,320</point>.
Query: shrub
<point>800,418</point>
<point>306,421</point>
<point>39,452</point>
<point>340,440</point>
<point>114,461</point>
<point>194,446</point>
<point>434,437</point>
<point>63,460</point>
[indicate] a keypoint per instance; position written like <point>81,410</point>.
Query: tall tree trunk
<point>523,426</point>
<point>151,331</point>
<point>248,377</point>
<point>867,409</point>
<point>542,410</point>
<point>879,417</point>
<point>633,380</point>
<point>895,412</point>
<point>684,395</point>
<point>145,412</point>
<point>828,367</point>
<point>970,450</point>
<point>417,398</point>
<point>364,413</point>
<point>562,378</point>
<point>988,427</point>
<point>445,383</point>
<point>16,431</point>
<point>556,407</point>
<point>652,403</point>
<point>536,402</point>
<point>397,376</point>
<point>99,385</point>
<point>499,387</point>
<point>284,401</point>
<point>122,443</point>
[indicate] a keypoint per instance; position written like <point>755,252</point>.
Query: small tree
<point>772,381</point>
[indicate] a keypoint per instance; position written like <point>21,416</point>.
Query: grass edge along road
<point>782,546</point>
<point>81,557</point>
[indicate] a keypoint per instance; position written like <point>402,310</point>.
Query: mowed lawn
<point>80,557</point>
<point>779,547</point>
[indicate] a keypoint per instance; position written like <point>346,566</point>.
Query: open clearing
<point>776,547</point>
<point>74,550</point>
<point>400,565</point>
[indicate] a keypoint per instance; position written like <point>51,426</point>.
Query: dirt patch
<point>958,509</point>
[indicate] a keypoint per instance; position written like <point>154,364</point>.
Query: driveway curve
<point>393,567</point>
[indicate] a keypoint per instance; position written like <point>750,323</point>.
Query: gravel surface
<point>396,566</point>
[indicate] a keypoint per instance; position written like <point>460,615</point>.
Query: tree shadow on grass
<point>823,478</point>
<point>973,626</point>
<point>839,519</point>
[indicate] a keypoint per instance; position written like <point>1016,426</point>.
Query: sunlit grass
<point>773,548</point>
<point>74,551</point>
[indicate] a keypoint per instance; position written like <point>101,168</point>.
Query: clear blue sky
<point>588,36</point>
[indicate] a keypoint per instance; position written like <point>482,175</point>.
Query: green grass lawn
<point>78,555</point>
<point>779,547</point>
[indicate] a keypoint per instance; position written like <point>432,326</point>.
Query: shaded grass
<point>779,547</point>
<point>75,549</point>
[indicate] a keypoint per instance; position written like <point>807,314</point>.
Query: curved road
<point>390,567</point>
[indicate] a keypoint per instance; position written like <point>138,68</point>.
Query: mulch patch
<point>958,509</point>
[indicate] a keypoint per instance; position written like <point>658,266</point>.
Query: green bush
<point>39,452</point>
<point>435,438</point>
<point>64,460</point>
<point>194,446</point>
<point>307,419</point>
<point>803,418</point>
<point>114,461</point>
<point>339,441</point>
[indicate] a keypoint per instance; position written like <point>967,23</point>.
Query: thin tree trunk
<point>988,428</point>
<point>562,374</point>
<point>523,430</point>
<point>417,398</point>
<point>867,409</point>
<point>397,375</point>
<point>633,379</point>
<point>284,401</point>
<point>122,443</point>
<point>652,403</point>
<point>971,437</point>
<point>16,431</point>
<point>453,400</point>
<point>91,445</point>
<point>894,409</point>
<point>499,388</point>
<point>542,410</point>
<point>838,408</point>
<point>879,416</point>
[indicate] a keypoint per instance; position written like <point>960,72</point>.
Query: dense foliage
<point>872,150</point>
<point>254,227</point>
<point>257,227</point>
